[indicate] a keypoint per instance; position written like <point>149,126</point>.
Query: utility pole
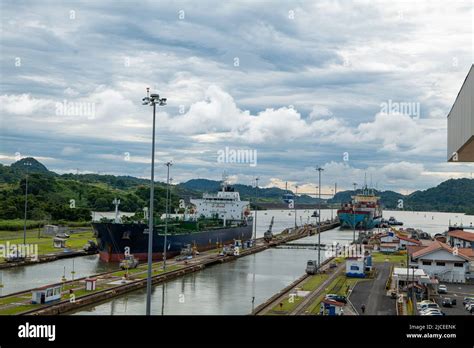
<point>27,164</point>
<point>319,169</point>
<point>151,100</point>
<point>165,244</point>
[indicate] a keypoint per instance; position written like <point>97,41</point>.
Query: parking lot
<point>458,292</point>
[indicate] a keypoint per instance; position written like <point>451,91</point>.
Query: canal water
<point>222,289</point>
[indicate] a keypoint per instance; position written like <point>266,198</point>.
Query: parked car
<point>469,307</point>
<point>426,306</point>
<point>467,299</point>
<point>335,297</point>
<point>419,304</point>
<point>442,289</point>
<point>430,310</point>
<point>447,302</point>
<point>433,313</point>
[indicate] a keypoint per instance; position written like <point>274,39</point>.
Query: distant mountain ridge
<point>453,195</point>
<point>269,194</point>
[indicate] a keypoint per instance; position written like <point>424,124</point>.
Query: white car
<point>432,313</point>
<point>426,306</point>
<point>424,302</point>
<point>430,310</point>
<point>442,289</point>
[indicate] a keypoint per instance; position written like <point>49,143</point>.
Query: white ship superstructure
<point>225,204</point>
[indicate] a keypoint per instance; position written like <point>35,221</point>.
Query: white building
<point>389,247</point>
<point>441,261</point>
<point>355,267</point>
<point>388,237</point>
<point>461,239</point>
<point>404,241</point>
<point>400,275</point>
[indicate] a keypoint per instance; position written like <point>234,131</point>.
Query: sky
<point>268,89</point>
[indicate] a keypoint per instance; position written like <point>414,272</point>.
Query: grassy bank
<point>76,241</point>
<point>288,304</point>
<point>339,285</point>
<point>399,259</point>
<point>18,224</point>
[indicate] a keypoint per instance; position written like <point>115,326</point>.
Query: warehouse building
<point>461,123</point>
<point>443,262</point>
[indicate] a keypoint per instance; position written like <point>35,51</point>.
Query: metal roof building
<point>461,123</point>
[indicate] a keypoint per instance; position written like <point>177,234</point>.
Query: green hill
<point>72,197</point>
<point>454,195</point>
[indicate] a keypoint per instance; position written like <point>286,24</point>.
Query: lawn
<point>392,258</point>
<point>17,224</point>
<point>289,303</point>
<point>45,244</point>
<point>8,300</point>
<point>338,286</point>
<point>158,271</point>
<point>17,309</point>
<point>314,281</point>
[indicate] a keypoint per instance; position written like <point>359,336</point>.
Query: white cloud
<point>335,78</point>
<point>69,151</point>
<point>23,104</point>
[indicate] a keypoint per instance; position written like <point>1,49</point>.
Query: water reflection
<point>27,277</point>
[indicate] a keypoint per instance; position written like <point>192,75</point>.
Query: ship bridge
<point>225,204</point>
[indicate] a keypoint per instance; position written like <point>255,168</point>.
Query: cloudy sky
<point>354,87</point>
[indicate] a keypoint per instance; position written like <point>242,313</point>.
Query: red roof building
<point>461,239</point>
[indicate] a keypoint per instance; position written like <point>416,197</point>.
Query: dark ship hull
<point>114,238</point>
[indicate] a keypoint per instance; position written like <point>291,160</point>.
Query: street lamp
<point>353,215</point>
<point>256,196</point>
<point>319,169</point>
<point>294,203</point>
<point>168,164</point>
<point>152,100</point>
<point>27,165</point>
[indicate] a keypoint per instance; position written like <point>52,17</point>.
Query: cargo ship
<point>363,212</point>
<point>216,219</point>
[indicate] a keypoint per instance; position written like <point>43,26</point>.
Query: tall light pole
<point>152,100</point>
<point>168,164</point>
<point>256,196</point>
<point>319,169</point>
<point>353,215</point>
<point>27,164</point>
<point>294,203</point>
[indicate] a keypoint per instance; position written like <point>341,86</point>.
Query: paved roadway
<point>372,293</point>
